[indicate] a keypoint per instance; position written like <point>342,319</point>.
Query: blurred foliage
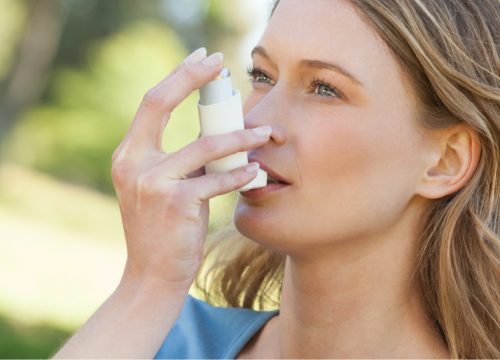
<point>93,20</point>
<point>90,108</point>
<point>22,341</point>
<point>11,28</point>
<point>110,53</point>
<point>62,241</point>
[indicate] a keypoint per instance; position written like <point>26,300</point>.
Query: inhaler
<point>220,111</point>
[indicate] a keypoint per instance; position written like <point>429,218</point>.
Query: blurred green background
<point>72,73</point>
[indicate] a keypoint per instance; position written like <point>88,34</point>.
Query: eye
<point>323,89</point>
<point>257,75</point>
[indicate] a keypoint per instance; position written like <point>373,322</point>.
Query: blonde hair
<point>450,51</point>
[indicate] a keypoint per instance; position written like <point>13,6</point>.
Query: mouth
<point>273,177</point>
<point>275,183</point>
<point>271,180</point>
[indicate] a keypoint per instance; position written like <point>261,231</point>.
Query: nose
<point>265,110</point>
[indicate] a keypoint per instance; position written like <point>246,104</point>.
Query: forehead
<point>327,30</point>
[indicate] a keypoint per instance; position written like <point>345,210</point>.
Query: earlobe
<point>457,160</point>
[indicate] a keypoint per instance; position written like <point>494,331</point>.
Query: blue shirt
<point>206,331</point>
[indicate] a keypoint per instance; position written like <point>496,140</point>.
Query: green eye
<point>257,75</point>
<point>322,89</point>
<point>325,90</point>
<point>260,77</point>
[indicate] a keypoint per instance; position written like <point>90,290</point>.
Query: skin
<point>163,200</point>
<point>362,172</point>
<point>345,291</point>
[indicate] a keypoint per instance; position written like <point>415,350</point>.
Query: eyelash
<point>254,71</point>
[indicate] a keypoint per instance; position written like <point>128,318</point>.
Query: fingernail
<point>214,59</point>
<point>263,131</point>
<point>197,55</point>
<point>252,167</point>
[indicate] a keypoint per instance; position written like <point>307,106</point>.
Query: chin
<point>252,221</point>
<point>266,226</point>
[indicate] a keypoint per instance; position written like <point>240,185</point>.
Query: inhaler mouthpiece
<point>220,111</point>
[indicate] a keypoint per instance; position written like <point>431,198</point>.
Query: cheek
<point>359,166</point>
<point>356,174</point>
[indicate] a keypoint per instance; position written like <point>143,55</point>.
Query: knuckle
<point>152,99</point>
<point>115,154</point>
<point>120,172</point>
<point>207,144</point>
<point>146,185</point>
<point>224,181</point>
<point>120,152</point>
<point>190,72</point>
<point>244,138</point>
<point>238,176</point>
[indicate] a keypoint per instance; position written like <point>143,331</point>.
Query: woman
<point>383,119</point>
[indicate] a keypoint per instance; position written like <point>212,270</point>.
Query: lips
<point>272,175</point>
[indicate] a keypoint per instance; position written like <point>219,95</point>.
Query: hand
<point>163,197</point>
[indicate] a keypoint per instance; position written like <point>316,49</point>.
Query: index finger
<point>154,111</point>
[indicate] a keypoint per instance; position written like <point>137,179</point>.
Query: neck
<point>357,300</point>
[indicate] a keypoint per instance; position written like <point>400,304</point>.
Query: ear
<point>455,160</point>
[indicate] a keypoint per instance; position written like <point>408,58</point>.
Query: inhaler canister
<point>220,111</point>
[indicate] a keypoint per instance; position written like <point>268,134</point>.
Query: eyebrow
<point>315,64</point>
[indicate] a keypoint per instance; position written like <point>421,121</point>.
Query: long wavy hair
<point>450,51</point>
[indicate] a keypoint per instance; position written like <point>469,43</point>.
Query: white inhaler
<point>220,111</point>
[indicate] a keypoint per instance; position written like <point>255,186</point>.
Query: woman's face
<point>344,134</point>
